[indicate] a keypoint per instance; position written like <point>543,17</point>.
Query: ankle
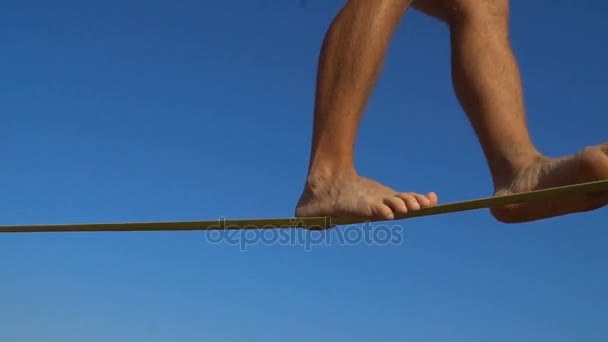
<point>320,177</point>
<point>507,166</point>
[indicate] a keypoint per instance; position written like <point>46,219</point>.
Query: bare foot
<point>590,164</point>
<point>353,196</point>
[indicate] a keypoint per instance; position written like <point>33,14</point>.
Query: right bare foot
<point>353,196</point>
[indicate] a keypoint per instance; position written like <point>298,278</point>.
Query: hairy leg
<point>487,83</point>
<point>350,62</point>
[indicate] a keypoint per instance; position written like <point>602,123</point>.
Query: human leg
<point>487,82</point>
<point>351,59</point>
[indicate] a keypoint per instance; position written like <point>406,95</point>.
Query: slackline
<point>314,223</point>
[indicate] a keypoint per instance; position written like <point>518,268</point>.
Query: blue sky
<point>146,110</point>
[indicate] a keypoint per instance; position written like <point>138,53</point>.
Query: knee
<point>459,11</point>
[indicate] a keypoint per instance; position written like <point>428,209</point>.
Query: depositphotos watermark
<point>347,235</point>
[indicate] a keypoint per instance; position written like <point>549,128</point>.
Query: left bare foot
<point>590,164</point>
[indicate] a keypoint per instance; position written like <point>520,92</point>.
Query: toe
<point>383,211</point>
<point>432,198</point>
<point>410,200</point>
<point>422,200</point>
<point>396,204</point>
